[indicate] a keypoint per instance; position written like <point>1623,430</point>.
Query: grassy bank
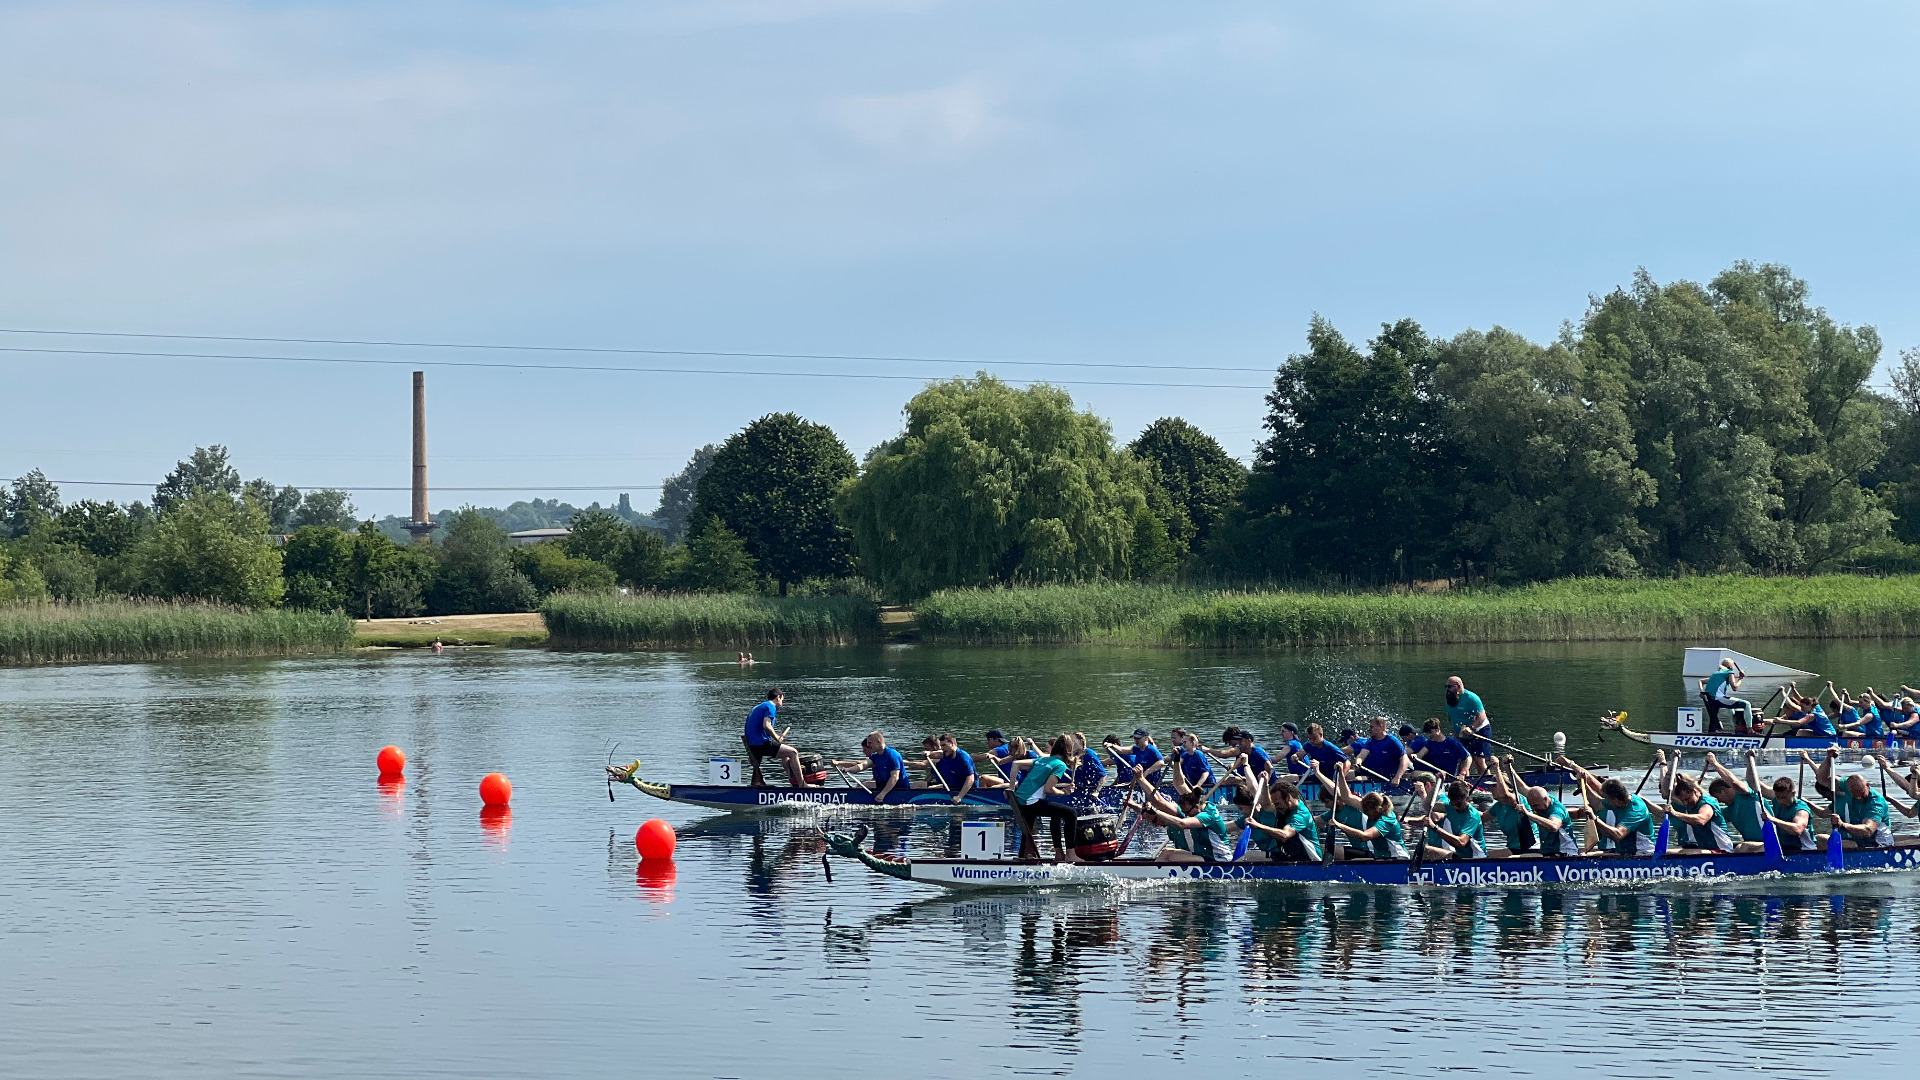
<point>121,630</point>
<point>522,629</point>
<point>713,621</point>
<point>1728,606</point>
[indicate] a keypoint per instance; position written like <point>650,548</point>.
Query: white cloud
<point>956,117</point>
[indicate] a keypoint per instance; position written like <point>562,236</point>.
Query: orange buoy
<point>391,761</point>
<point>496,789</point>
<point>655,840</point>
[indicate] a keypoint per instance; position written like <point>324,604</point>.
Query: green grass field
<point>125,630</point>
<point>1581,609</point>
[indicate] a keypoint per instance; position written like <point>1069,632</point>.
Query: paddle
<point>1328,852</point>
<point>1517,750</point>
<point>1246,833</point>
<point>856,780</point>
<point>1127,840</point>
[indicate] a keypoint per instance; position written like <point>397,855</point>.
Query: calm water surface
<point>200,877</point>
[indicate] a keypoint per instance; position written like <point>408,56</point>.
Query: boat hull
<point>1478,873</point>
<point>744,798</point>
<point>1742,743</point>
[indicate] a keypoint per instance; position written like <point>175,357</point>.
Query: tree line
<point>1679,428</point>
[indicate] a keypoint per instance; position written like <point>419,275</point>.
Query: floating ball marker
<point>496,789</point>
<point>391,761</point>
<point>655,840</point>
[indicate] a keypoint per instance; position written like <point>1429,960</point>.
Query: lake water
<point>200,876</point>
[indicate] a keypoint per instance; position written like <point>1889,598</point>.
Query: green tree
<point>105,529</point>
<point>677,493</point>
<point>476,574</point>
<point>1354,479</point>
<point>991,484</point>
<point>1201,481</point>
<point>207,470</point>
<point>210,546</point>
<point>279,503</point>
<point>385,580</point>
<point>328,507</point>
<point>716,560</point>
<point>595,534</point>
<point>636,555</point>
<point>552,570</point>
<point>1750,415</point>
<point>32,499</point>
<point>773,485</point>
<point>1546,455</point>
<point>317,563</point>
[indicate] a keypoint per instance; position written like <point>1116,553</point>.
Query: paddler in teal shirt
<point>1296,837</point>
<point>1861,816</point>
<point>1622,819</point>
<point>1460,827</point>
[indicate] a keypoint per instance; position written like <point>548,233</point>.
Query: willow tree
<point>993,485</point>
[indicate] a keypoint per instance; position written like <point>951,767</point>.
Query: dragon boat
<point>1740,744</point>
<point>751,797</point>
<point>1507,873</point>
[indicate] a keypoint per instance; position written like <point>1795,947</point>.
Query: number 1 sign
<point>983,840</point>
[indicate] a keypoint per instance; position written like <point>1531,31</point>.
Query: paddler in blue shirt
<point>1004,753</point>
<point>889,768</point>
<point>764,741</point>
<point>1470,722</point>
<point>1318,750</point>
<point>1193,760</point>
<point>1445,753</point>
<point>1804,716</point>
<point>1248,768</point>
<point>1089,774</point>
<point>1145,756</point>
<point>955,768</point>
<point>1385,756</point>
<point>1293,756</point>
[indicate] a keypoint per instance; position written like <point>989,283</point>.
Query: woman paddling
<point>1037,794</point>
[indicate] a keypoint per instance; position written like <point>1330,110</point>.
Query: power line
<point>631,351</point>
<point>597,367</point>
<point>376,487</point>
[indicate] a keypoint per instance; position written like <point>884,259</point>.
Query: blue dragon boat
<point>748,797</point>
<point>1514,872</point>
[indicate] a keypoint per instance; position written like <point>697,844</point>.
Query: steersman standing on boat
<point>763,741</point>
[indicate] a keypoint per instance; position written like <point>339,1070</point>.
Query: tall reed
<point>123,630</point>
<point>1579,609</point>
<point>709,620</point>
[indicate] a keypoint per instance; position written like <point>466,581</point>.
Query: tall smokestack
<point>421,525</point>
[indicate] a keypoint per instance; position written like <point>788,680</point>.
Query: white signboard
<point>983,840</point>
<point>726,771</point>
<point>1688,722</point>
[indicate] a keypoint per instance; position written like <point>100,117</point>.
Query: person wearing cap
<point>1003,754</point>
<point>1294,755</point>
<point>1145,757</point>
<point>1384,754</point>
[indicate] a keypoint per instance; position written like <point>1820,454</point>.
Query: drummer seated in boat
<point>888,767</point>
<point>763,741</point>
<point>1459,827</point>
<point>953,770</point>
<point>1698,824</point>
<point>1857,812</point>
<point>1294,837</point>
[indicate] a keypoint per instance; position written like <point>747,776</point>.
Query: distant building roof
<point>537,536</point>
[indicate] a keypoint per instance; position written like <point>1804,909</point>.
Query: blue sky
<point>1079,182</point>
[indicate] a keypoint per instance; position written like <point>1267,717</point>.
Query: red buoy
<point>391,761</point>
<point>496,789</point>
<point>655,840</point>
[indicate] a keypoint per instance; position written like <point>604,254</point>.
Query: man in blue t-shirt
<point>1145,757</point>
<point>889,768</point>
<point>954,767</point>
<point>1442,751</point>
<point>1295,759</point>
<point>763,741</point>
<point>1319,750</point>
<point>1470,723</point>
<point>1384,755</point>
<point>1193,760</point>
